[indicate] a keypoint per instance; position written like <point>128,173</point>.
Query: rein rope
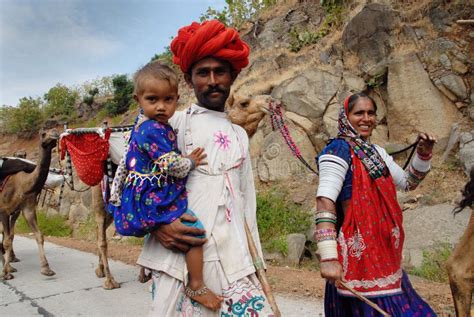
<point>412,147</point>
<point>278,122</point>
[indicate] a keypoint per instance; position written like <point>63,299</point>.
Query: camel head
<point>248,111</point>
<point>49,138</point>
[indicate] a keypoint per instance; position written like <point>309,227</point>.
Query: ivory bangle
<point>326,214</point>
<point>327,249</point>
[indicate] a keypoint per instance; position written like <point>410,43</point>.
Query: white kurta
<point>221,194</point>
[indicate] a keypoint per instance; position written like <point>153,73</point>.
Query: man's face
<point>211,80</point>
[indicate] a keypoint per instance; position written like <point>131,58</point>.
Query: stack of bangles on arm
<point>418,169</point>
<point>326,238</point>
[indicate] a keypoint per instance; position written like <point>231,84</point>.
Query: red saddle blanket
<point>88,153</point>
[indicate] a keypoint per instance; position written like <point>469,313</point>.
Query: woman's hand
<point>198,156</point>
<point>425,144</point>
<point>331,270</point>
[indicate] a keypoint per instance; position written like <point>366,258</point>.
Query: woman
<point>358,220</point>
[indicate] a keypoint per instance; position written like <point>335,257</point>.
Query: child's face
<point>158,99</point>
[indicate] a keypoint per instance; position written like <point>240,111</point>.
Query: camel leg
<point>13,219</point>
<point>460,267</point>
<point>103,221</point>
<point>6,246</point>
<point>461,290</point>
<point>30,215</point>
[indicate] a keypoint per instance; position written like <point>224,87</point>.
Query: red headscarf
<point>209,39</point>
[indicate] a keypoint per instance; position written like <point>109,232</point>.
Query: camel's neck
<point>41,171</point>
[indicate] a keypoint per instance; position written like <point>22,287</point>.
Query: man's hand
<point>178,237</point>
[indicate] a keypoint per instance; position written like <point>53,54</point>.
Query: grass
<point>87,229</point>
<point>55,226</point>
<point>277,218</point>
<point>433,265</point>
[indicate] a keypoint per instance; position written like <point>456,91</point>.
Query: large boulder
<point>309,93</point>
<point>415,104</point>
<point>277,162</point>
<point>466,151</point>
<point>368,34</point>
<point>427,227</point>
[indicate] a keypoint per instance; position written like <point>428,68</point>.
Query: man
<point>221,193</point>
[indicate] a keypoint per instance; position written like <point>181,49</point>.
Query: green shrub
<point>55,226</point>
<point>236,12</point>
<point>333,18</point>
<point>433,266</point>
<point>25,119</point>
<point>277,218</point>
<point>60,102</point>
<point>123,95</point>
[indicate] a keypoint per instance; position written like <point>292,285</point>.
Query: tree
<point>60,101</point>
<point>25,120</point>
<point>238,11</point>
<point>103,85</point>
<point>123,95</point>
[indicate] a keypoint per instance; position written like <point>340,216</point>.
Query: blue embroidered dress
<point>150,195</point>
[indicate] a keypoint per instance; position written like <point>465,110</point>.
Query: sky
<point>45,42</point>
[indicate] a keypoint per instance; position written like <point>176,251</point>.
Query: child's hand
<point>198,156</point>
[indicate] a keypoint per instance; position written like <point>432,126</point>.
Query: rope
<point>277,121</point>
<point>412,147</point>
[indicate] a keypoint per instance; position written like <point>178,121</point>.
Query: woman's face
<point>363,117</point>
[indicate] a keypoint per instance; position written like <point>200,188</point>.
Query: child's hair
<point>468,194</point>
<point>154,70</point>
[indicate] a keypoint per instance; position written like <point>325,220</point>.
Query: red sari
<point>370,241</point>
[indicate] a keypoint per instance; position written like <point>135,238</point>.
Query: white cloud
<point>51,28</point>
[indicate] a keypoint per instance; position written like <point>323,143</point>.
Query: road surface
<point>75,290</point>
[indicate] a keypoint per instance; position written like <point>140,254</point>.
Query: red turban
<point>209,39</point>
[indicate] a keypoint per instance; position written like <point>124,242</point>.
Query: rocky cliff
<point>410,56</point>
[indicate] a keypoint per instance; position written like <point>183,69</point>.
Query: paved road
<point>75,291</point>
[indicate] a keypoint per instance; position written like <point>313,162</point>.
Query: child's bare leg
<point>194,262</point>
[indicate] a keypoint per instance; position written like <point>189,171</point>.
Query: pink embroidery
<point>222,140</point>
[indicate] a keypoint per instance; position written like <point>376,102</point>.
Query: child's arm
<point>178,165</point>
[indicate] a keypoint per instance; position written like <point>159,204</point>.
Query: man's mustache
<point>215,89</point>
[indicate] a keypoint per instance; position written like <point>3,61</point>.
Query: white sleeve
<point>332,172</point>
<point>398,174</point>
<point>400,177</point>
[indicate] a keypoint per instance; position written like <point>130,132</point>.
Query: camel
<point>248,111</point>
<point>460,264</point>
<point>20,194</point>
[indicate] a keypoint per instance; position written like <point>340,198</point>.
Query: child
<point>154,189</point>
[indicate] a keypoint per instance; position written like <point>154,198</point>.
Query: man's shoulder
<point>178,118</point>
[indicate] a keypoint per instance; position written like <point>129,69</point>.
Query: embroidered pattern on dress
<point>222,140</point>
<point>379,282</point>
<point>188,307</point>
<point>396,235</point>
<point>343,245</point>
<point>243,298</point>
<point>356,245</point>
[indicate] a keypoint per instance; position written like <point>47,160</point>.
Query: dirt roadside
<point>286,280</point>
